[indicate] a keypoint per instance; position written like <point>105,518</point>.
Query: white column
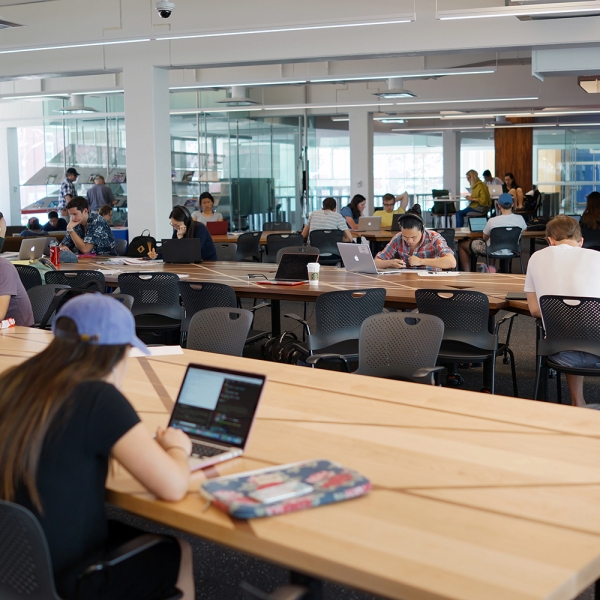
<point>451,161</point>
<point>10,192</point>
<point>361,155</point>
<point>147,121</point>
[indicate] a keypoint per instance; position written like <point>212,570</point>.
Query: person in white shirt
<point>478,247</point>
<point>327,218</point>
<point>564,268</point>
<point>489,180</point>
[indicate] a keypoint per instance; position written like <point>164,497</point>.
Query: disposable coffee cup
<point>313,272</point>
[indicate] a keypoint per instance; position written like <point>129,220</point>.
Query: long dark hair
<point>590,218</point>
<point>515,185</point>
<point>33,393</point>
<point>354,205</point>
<point>182,214</point>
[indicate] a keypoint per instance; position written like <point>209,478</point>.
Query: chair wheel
<point>551,374</point>
<point>506,360</point>
<point>454,380</point>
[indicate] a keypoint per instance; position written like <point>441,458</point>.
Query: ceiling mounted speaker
<point>77,107</point>
<point>395,90</point>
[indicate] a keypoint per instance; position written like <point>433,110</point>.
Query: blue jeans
<point>465,212</point>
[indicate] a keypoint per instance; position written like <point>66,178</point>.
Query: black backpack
<point>537,224</point>
<point>140,245</point>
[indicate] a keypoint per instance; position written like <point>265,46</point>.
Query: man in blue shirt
<point>87,232</point>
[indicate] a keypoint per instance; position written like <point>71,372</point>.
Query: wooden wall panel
<point>514,153</point>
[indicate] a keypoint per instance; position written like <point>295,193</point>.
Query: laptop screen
<point>292,266</point>
<point>217,405</point>
<point>477,223</point>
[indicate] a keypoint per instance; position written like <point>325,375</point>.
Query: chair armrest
<point>427,375</point>
<point>258,306</point>
<point>315,358</point>
<point>299,319</point>
<point>508,317</point>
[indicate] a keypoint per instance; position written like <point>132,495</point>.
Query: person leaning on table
<point>327,219</point>
<point>415,246</point>
<point>479,197</point>
<point>564,268</point>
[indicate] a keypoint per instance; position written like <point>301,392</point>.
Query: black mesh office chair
<point>591,238</point>
<point>25,566</point>
<point>277,226</point>
<point>339,317</point>
<point>296,250</point>
<point>505,238</point>
<point>248,246</point>
<point>156,307</point>
<point>276,241</point>
<point>226,251</point>
<point>41,297</point>
<point>29,276</point>
<point>571,323</point>
<point>76,278</point>
<point>121,246</point>
<point>326,241</point>
<point>466,334</point>
<point>219,330</point>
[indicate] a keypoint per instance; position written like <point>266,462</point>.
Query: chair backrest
<point>125,299</point>
<point>396,344</point>
<point>276,241</point>
<point>571,317</point>
<point>277,226</point>
<point>25,568</point>
<point>220,330</point>
<point>153,293</point>
<point>326,240</point>
<point>505,238</point>
<point>40,297</point>
<point>76,278</point>
<point>248,246</point>
<point>448,235</point>
<point>295,250</point>
<point>337,310</point>
<point>196,296</point>
<point>465,315</point>
<point>121,246</point>
<point>440,193</point>
<point>226,251</point>
<point>591,237</point>
<point>29,276</point>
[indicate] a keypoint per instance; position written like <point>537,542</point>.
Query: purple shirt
<point>19,307</point>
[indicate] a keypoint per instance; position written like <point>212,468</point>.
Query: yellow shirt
<point>481,196</point>
<point>387,217</point>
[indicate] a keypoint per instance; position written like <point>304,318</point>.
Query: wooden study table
<point>474,496</point>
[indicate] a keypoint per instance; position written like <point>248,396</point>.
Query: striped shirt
<point>432,245</point>
<point>326,219</point>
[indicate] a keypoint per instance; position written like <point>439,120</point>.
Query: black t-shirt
<point>72,475</point>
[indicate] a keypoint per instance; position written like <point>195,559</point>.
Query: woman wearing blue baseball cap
<point>62,417</point>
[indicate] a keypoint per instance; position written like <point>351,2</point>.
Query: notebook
<point>217,227</point>
<point>292,270</point>
<point>357,259</point>
<point>369,224</point>
<point>477,224</point>
<point>216,408</point>
<point>185,250</point>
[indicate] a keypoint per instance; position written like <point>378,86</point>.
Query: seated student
<point>388,212</point>
<point>479,196</point>
<point>564,268</point>
<point>106,213</point>
<point>207,213</point>
<point>506,218</point>
<point>87,232</point>
<point>327,219</point>
<point>14,301</point>
<point>512,187</point>
<point>34,229</point>
<point>185,227</point>
<point>2,230</point>
<point>354,210</point>
<point>590,219</point>
<point>72,419</point>
<point>54,223</point>
<point>415,246</point>
<point>489,180</point>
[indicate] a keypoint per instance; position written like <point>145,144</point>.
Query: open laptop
<point>396,222</point>
<point>369,224</point>
<point>292,269</point>
<point>357,259</point>
<point>495,190</point>
<point>217,227</point>
<point>216,408</point>
<point>185,250</point>
<point>32,248</point>
<point>477,224</point>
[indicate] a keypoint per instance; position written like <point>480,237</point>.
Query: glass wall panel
<point>477,152</point>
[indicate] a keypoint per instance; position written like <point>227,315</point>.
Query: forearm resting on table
<point>443,262</point>
<point>79,243</point>
<point>4,304</point>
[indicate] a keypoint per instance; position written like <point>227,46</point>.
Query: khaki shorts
<point>478,247</point>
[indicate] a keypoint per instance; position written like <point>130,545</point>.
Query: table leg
<point>275,317</point>
<point>314,586</point>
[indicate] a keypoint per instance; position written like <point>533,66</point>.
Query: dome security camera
<point>165,9</point>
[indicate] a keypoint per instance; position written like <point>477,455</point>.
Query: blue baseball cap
<point>505,200</point>
<point>100,320</point>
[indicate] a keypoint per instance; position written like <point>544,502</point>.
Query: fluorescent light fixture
<point>388,120</point>
<point>530,113</point>
<point>93,92</point>
<point>67,46</point>
<point>406,19</point>
<point>340,119</point>
<point>536,125</point>
<point>562,8</point>
<point>436,128</point>
<point>319,106</point>
<point>420,102</point>
<point>35,96</point>
<point>393,95</point>
<point>228,85</point>
<point>215,110</point>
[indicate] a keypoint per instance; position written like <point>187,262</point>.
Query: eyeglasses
<point>389,203</point>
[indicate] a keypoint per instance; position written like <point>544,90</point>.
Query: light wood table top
<point>474,496</point>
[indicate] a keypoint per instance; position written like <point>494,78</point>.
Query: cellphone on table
<point>284,491</point>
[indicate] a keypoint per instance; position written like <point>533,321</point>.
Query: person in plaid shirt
<point>415,246</point>
<point>67,189</point>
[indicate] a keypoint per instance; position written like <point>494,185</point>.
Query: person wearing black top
<point>62,417</point>
<point>54,223</point>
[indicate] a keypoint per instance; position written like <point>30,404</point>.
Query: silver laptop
<point>495,190</point>
<point>216,408</point>
<point>369,224</point>
<point>357,259</point>
<point>32,248</point>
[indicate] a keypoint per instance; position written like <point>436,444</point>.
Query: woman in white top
<point>207,213</point>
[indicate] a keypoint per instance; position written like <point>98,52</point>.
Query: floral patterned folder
<point>330,481</point>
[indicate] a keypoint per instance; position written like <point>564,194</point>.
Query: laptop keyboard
<point>202,450</point>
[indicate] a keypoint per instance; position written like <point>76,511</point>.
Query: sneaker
<point>483,268</point>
